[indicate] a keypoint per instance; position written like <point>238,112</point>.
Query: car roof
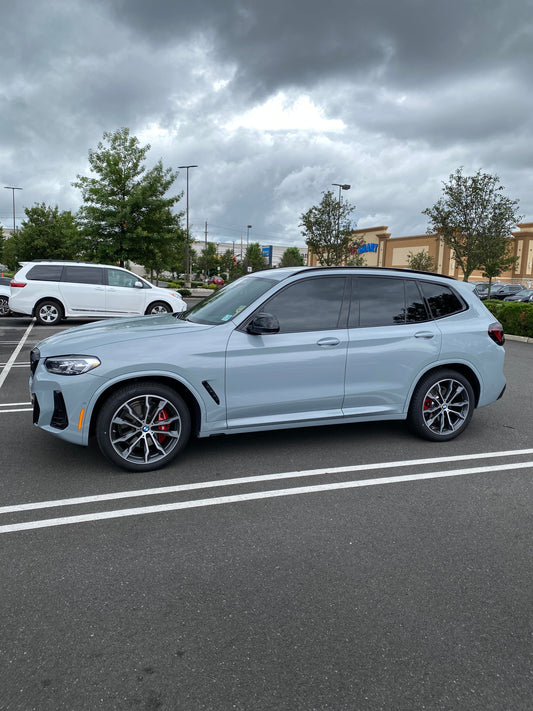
<point>285,272</point>
<point>72,262</point>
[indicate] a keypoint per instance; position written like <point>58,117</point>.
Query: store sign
<point>372,247</point>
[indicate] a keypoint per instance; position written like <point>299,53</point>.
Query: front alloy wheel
<point>442,406</point>
<point>143,426</point>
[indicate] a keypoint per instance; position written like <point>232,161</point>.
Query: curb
<point>522,339</point>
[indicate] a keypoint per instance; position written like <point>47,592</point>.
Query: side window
<point>381,301</point>
<point>45,272</point>
<point>83,275</point>
<point>116,277</point>
<point>309,305</point>
<point>442,301</point>
<point>415,308</point>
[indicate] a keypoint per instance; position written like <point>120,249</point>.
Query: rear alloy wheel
<point>49,312</point>
<point>143,426</point>
<point>4,306</point>
<point>442,406</point>
<point>158,307</point>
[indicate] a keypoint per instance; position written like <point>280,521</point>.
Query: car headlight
<point>71,365</point>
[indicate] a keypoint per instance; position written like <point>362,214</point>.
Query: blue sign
<point>267,253</point>
<point>372,247</point>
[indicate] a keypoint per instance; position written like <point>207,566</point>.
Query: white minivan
<point>53,290</point>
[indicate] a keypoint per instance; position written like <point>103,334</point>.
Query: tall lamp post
<point>341,186</point>
<point>187,252</point>
<point>8,187</point>
<point>248,228</point>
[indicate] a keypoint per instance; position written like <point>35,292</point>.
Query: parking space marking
<point>11,361</point>
<point>291,491</point>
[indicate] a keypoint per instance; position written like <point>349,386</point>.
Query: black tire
<point>49,312</point>
<point>442,406</point>
<point>4,306</point>
<point>143,426</point>
<point>158,307</point>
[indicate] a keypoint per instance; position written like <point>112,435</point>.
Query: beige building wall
<point>383,251</point>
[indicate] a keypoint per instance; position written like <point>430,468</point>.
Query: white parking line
<point>10,362</point>
<point>292,491</point>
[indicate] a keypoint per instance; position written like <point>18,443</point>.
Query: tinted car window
<point>389,302</point>
<point>83,275</point>
<point>116,277</point>
<point>310,305</point>
<point>45,272</point>
<point>442,301</point>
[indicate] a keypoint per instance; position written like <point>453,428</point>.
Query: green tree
<point>254,258</point>
<point>474,218</point>
<point>125,210</point>
<point>328,231</point>
<point>291,258</point>
<point>46,233</point>
<point>421,261</point>
<point>228,264</point>
<point>208,260</point>
<point>498,258</point>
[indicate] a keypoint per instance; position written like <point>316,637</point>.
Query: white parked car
<point>53,290</point>
<point>5,293</point>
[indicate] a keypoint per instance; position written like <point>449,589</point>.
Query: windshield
<point>229,301</point>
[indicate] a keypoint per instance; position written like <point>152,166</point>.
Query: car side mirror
<point>263,323</point>
<point>138,285</point>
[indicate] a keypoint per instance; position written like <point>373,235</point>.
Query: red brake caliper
<point>427,403</point>
<point>162,416</point>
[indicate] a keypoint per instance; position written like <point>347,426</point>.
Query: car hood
<point>83,339</point>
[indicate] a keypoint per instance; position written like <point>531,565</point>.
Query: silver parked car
<point>278,348</point>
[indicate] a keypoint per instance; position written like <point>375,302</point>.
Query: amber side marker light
<point>80,421</point>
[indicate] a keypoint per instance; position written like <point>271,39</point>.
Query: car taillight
<point>496,333</point>
<point>18,283</point>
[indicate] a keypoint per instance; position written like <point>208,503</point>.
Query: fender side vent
<point>211,391</point>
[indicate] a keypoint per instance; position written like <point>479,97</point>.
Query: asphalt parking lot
<point>352,567</point>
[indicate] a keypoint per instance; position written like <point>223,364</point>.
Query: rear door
<point>82,290</point>
<point>392,339</point>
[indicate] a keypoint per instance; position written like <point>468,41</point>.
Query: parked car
<point>278,348</point>
<point>53,290</point>
<point>502,290</point>
<point>5,293</point>
<point>219,281</point>
<point>523,295</point>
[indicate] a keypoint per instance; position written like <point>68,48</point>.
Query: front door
<point>296,375</point>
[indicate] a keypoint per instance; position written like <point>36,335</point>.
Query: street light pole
<point>8,187</point>
<point>248,228</point>
<point>187,252</point>
<point>341,186</point>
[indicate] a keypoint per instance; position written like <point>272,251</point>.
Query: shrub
<point>516,317</point>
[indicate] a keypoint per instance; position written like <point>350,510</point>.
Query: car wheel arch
<point>180,388</point>
<point>155,303</point>
<point>50,299</point>
<point>461,368</point>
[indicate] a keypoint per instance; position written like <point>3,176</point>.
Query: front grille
<point>35,356</point>
<point>59,417</point>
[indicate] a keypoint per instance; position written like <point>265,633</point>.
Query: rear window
<point>442,301</point>
<point>388,301</point>
<point>45,272</point>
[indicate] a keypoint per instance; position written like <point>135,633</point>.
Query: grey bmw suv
<point>278,348</point>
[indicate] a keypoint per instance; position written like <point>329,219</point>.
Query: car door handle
<point>328,342</point>
<point>424,334</point>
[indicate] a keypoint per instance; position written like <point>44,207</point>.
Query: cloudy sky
<point>273,100</point>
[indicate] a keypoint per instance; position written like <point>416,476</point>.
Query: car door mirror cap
<point>263,323</point>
